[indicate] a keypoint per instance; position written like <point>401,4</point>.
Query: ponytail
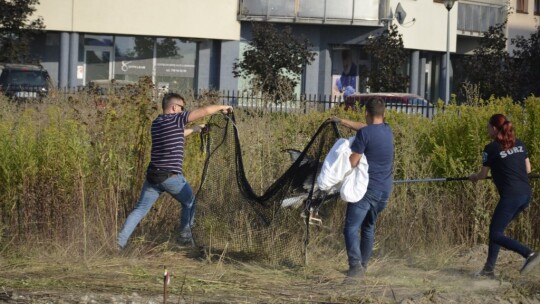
<point>505,131</point>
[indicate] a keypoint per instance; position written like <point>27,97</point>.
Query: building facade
<point>176,42</point>
<point>185,44</point>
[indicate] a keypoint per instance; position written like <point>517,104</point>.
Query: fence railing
<point>310,102</point>
<point>315,11</point>
<point>475,18</point>
<point>302,103</point>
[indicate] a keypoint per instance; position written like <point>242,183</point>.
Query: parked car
<point>24,81</point>
<point>400,102</point>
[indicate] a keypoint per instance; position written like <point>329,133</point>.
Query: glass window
<point>98,62</point>
<point>175,63</point>
<point>98,40</point>
<point>537,7</point>
<point>344,71</point>
<point>133,57</point>
<point>52,39</point>
<point>521,6</point>
<point>26,78</point>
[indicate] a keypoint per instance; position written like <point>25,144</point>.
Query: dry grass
<point>417,279</point>
<point>71,172</point>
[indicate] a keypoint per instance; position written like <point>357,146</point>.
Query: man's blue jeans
<point>508,208</point>
<point>178,187</point>
<point>362,215</point>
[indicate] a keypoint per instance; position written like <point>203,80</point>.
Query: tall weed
<point>70,172</point>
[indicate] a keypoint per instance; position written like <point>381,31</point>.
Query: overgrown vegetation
<point>274,60</point>
<point>71,172</point>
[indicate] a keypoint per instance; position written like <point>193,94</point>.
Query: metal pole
<point>73,59</point>
<point>415,69</point>
<point>423,180</point>
<point>63,74</point>
<point>447,71</point>
<point>446,179</point>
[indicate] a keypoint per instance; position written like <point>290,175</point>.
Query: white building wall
<point>210,19</point>
<point>521,24</point>
<point>428,30</point>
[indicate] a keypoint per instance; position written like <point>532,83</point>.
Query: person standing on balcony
<point>375,140</point>
<point>507,159</point>
<point>164,173</point>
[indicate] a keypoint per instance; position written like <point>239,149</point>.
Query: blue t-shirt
<point>507,167</point>
<point>168,142</point>
<point>376,142</point>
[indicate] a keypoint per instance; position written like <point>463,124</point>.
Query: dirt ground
<point>138,278</point>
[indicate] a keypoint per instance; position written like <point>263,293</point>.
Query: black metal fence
<point>303,103</point>
<point>308,102</point>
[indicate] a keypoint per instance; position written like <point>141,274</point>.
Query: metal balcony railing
<point>361,12</point>
<point>475,18</point>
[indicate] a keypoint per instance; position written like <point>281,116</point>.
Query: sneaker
<point>531,261</point>
<point>185,242</point>
<point>485,274</point>
<point>118,250</point>
<point>356,271</point>
<point>354,275</point>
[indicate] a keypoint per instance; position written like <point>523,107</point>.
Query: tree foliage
<point>490,67</point>
<point>527,55</point>
<point>274,60</point>
<point>388,59</point>
<point>16,29</point>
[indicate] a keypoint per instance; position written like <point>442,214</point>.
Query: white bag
<point>336,164</point>
<point>355,183</point>
<point>336,171</point>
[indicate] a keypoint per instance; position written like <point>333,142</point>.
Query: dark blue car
<point>24,81</point>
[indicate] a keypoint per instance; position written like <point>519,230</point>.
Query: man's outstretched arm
<point>209,110</point>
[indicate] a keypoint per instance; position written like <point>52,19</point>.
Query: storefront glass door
<point>98,63</point>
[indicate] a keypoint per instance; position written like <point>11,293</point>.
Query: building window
<point>175,63</point>
<point>133,57</point>
<point>98,40</point>
<point>521,6</point>
<point>537,7</point>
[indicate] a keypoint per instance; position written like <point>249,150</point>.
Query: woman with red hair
<point>507,159</point>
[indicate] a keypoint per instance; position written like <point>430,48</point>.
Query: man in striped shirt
<point>164,173</point>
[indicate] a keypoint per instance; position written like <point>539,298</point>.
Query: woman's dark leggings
<point>508,208</point>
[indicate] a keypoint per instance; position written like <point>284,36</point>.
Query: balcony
<point>350,12</point>
<point>474,18</point>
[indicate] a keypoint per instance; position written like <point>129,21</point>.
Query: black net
<point>272,225</point>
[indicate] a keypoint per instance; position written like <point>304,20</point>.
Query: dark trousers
<point>508,208</point>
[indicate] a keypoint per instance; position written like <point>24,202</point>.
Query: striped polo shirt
<point>168,142</point>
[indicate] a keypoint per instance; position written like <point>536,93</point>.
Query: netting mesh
<point>231,217</point>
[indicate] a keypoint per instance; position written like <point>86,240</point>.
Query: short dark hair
<point>167,99</point>
<point>375,107</point>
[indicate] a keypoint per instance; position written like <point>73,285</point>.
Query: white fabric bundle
<point>336,171</point>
